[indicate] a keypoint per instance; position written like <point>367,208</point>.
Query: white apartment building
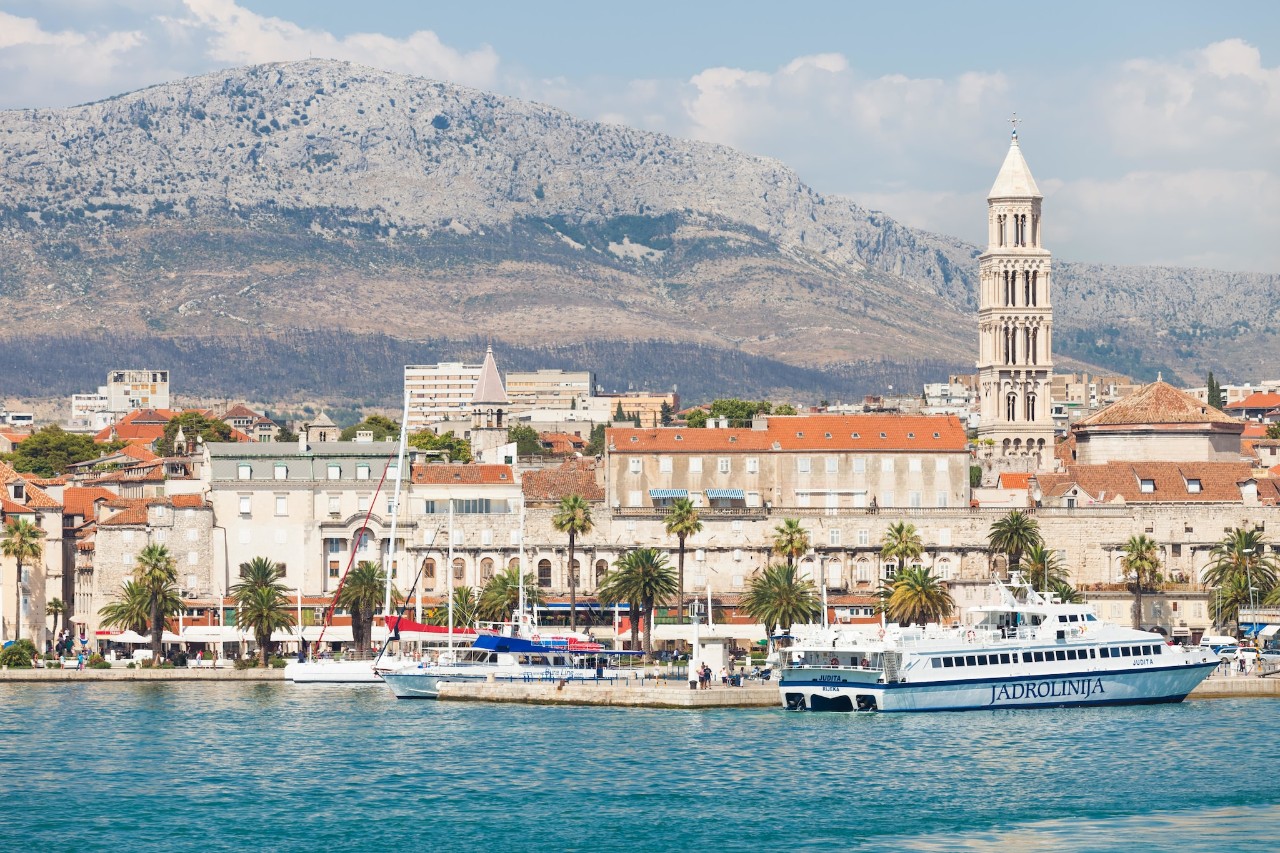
<point>439,392</point>
<point>549,389</point>
<point>127,390</point>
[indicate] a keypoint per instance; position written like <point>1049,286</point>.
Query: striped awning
<point>668,493</point>
<point>725,494</point>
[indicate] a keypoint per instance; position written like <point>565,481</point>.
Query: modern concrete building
<point>127,390</point>
<point>439,391</point>
<point>549,389</point>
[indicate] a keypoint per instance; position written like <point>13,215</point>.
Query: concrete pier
<point>63,676</point>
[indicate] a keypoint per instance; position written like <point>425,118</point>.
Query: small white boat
<point>325,671</point>
<point>1028,651</point>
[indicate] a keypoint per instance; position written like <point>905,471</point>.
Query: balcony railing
<point>705,512</point>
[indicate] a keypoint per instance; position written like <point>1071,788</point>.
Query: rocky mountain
<point>319,197</point>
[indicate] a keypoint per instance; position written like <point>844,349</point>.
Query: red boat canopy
<point>399,623</point>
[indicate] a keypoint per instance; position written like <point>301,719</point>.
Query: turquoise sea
<point>280,767</point>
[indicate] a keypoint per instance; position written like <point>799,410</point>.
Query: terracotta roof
<point>1219,481</point>
<point>139,452</point>
<point>60,480</point>
<point>130,517</point>
<point>14,437</point>
<point>1269,491</point>
<point>12,508</point>
<point>78,501</point>
<point>440,474</point>
<point>187,501</point>
<point>241,412</point>
<point>1157,403</point>
<point>562,442</point>
<point>1257,400</point>
<point>574,477</point>
<point>796,433</point>
<point>1010,480</point>
<point>35,498</point>
<point>1254,430</point>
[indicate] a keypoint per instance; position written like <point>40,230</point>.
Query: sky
<point>1152,128</point>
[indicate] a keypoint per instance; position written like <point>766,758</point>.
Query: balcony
<point>704,512</point>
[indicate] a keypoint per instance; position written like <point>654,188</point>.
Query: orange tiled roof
<point>798,433</point>
<point>441,474</point>
<point>1254,430</point>
<point>187,501</point>
<point>1257,400</point>
<point>240,412</point>
<point>139,452</point>
<point>12,508</point>
<point>574,477</point>
<point>1012,480</point>
<point>128,517</point>
<point>1157,403</point>
<point>35,497</point>
<point>1219,481</point>
<point>79,501</point>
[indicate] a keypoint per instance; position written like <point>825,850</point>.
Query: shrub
<point>246,663</point>
<point>131,666</point>
<point>279,663</point>
<point>18,655</point>
<point>95,659</point>
<point>100,664</point>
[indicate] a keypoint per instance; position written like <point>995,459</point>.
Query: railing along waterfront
<point>1108,511</point>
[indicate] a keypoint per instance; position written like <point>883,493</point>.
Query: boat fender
<point>971,637</point>
<point>1082,630</point>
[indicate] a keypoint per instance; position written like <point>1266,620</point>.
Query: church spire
<point>489,386</point>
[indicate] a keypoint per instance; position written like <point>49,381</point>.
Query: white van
<point>1224,647</point>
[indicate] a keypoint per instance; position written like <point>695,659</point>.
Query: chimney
<point>365,436</point>
<point>760,423</point>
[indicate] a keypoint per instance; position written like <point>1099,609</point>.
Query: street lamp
<point>1248,577</point>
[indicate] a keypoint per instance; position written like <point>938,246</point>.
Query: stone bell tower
<point>1015,319</point>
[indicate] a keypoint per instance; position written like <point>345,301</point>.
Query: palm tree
<point>918,597</point>
<point>790,540</point>
<point>1141,562</point>
<point>1238,562</point>
<point>22,542</point>
<point>131,610</point>
<point>901,544</point>
<point>501,595</point>
<point>466,609</point>
<point>779,599</point>
<point>360,596</point>
<point>642,576</point>
<point>1013,534</point>
<point>262,605</point>
<point>157,572</point>
<point>1229,597</point>
<point>1066,593</point>
<point>573,517</point>
<point>56,608</point>
<point>1045,565</point>
<point>682,522</point>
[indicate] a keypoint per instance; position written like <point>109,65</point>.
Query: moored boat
<point>1027,651</point>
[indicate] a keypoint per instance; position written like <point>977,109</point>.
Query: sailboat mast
<point>395,511</point>
<point>449,574</point>
<point>520,562</point>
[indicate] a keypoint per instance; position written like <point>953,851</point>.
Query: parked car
<point>1224,647</point>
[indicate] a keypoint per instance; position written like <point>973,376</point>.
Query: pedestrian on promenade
<point>724,676</point>
<point>80,662</point>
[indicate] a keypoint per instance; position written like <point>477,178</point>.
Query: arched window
<point>1035,285</point>
<point>575,573</point>
<point>364,539</point>
<point>429,569</point>
<point>486,569</point>
<point>602,569</point>
<point>514,564</point>
<point>459,568</point>
<point>1026,289</point>
<point>1027,355</point>
<point>544,574</point>
<point>1011,408</point>
<point>943,569</point>
<point>1031,407</point>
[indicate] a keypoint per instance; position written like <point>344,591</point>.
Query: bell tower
<point>1015,318</point>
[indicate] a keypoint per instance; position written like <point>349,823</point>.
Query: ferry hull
<point>337,671</point>
<point>800,690</point>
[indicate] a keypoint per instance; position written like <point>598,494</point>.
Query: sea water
<point>282,767</point>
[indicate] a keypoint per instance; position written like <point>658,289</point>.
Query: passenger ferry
<point>1028,651</point>
<point>504,658</point>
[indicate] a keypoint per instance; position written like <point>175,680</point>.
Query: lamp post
<point>1248,577</point>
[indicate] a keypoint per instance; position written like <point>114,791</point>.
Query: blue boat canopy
<point>668,493</point>
<point>725,494</point>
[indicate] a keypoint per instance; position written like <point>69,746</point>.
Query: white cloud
<point>39,65</point>
<point>237,36</point>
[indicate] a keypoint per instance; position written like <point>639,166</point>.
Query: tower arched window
<point>1011,408</point>
<point>1035,285</point>
<point>1026,288</point>
<point>1031,407</point>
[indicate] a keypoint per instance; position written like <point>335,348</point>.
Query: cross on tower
<point>1015,121</point>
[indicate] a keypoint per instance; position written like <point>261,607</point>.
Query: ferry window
<point>946,662</point>
<point>1146,650</point>
<point>935,662</point>
<point>1125,651</point>
<point>1062,618</point>
<point>1092,654</point>
<point>1089,617</point>
<point>1062,654</point>
<point>1073,618</point>
<point>1039,657</point>
<point>1004,657</point>
<point>982,660</point>
<point>1155,650</point>
<point>1105,652</point>
<point>1071,654</point>
<point>970,660</point>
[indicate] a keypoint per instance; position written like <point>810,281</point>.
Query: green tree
<point>51,450</point>
<point>1273,430</point>
<point>1240,562</point>
<point>130,610</point>
<point>1215,396</point>
<point>917,597</point>
<point>361,595</point>
<point>1044,566</point>
<point>790,540</point>
<point>157,573</point>
<point>696,419</point>
<point>18,654</point>
<point>642,576</point>
<point>501,595</point>
<point>975,476</point>
<point>1012,535</point>
<point>56,608</point>
<point>457,449</point>
<point>23,543</point>
<point>262,605</point>
<point>779,598</point>
<point>381,426</point>
<point>466,609</point>
<point>573,517</point>
<point>1141,563</point>
<point>739,412</point>
<point>785,409</point>
<point>285,435</point>
<point>526,439</point>
<point>682,522</point>
<point>1066,593</point>
<point>665,414</point>
<point>1228,598</point>
<point>618,414</point>
<point>901,545</point>
<point>595,446</point>
<point>193,425</point>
